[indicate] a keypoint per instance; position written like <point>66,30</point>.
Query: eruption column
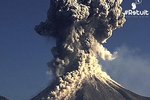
<point>80,27</point>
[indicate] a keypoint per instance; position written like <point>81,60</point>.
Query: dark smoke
<point>101,16</point>
<point>86,18</point>
<point>79,27</point>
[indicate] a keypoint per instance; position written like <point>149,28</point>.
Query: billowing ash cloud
<point>80,27</point>
<point>99,16</point>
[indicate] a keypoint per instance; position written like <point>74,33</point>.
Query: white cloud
<point>131,69</point>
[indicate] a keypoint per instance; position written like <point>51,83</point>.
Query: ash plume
<point>80,27</point>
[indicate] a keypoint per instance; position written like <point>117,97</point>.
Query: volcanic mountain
<point>95,89</point>
<point>80,28</point>
<point>3,98</point>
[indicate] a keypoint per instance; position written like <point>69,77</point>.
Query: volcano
<point>3,98</point>
<point>80,28</point>
<point>95,89</point>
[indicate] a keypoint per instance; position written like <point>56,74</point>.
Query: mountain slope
<point>95,89</point>
<point>3,98</point>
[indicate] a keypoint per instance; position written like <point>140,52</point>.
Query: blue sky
<point>24,54</point>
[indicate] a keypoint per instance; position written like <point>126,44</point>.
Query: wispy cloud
<point>131,69</point>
